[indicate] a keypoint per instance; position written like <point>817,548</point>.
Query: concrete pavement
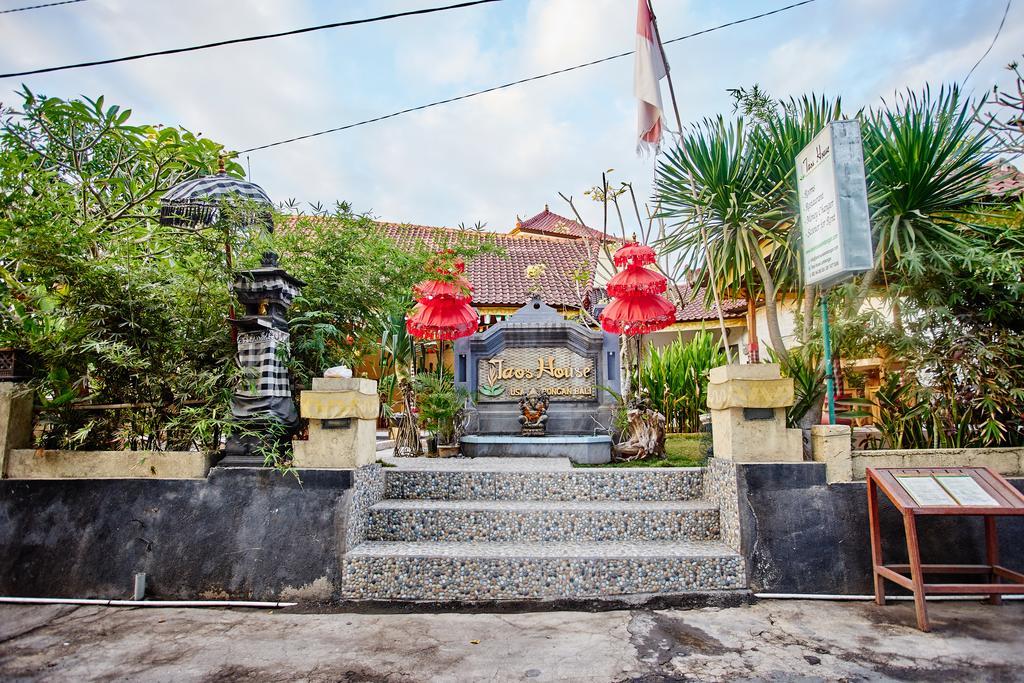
<point>771,640</point>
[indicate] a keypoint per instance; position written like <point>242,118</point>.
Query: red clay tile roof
<point>500,279</point>
<point>1006,180</point>
<point>551,224</point>
<point>694,311</point>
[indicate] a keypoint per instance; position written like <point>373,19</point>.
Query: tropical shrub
<point>441,405</point>
<point>675,378</point>
<point>804,365</point>
<point>125,317</point>
<point>946,266</point>
<point>967,392</point>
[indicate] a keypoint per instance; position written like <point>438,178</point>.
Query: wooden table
<point>914,495</point>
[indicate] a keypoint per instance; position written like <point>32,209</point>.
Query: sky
<point>493,157</point>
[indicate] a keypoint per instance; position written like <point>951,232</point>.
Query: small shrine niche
<point>534,409</point>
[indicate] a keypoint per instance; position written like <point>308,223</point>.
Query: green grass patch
<point>681,450</point>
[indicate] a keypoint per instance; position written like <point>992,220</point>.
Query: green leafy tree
<point>125,317</point>
<point>116,309</point>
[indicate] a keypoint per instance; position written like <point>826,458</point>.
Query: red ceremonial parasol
<point>634,254</point>
<point>636,280</point>
<point>428,290</point>
<point>638,307</point>
<point>442,319</point>
<point>638,314</point>
<point>443,311</point>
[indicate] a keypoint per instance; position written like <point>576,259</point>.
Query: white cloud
<point>490,157</point>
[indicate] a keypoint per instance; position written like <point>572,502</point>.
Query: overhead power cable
<point>999,30</point>
<point>49,4</point>
<point>249,39</point>
<point>518,82</point>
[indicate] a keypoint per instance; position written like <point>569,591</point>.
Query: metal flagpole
<point>703,230</point>
<point>830,380</point>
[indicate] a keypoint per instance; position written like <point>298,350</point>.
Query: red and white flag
<point>648,70</point>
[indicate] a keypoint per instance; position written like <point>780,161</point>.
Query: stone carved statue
<point>534,409</point>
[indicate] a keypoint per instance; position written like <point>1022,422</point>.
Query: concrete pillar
<point>342,415</point>
<point>15,420</point>
<point>832,445</point>
<point>748,414</point>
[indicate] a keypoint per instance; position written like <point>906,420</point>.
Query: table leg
<point>992,555</point>
<point>876,541</point>
<point>916,576</point>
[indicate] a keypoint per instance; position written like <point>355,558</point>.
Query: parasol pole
<point>700,220</point>
<point>229,259</point>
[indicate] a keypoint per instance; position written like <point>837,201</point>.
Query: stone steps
<point>583,521</point>
<point>489,529</point>
<point>447,571</point>
<point>625,484</point>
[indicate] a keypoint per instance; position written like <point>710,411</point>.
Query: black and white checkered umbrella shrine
<point>202,201</point>
<point>262,405</point>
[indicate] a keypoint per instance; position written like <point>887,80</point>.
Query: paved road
<point>772,640</point>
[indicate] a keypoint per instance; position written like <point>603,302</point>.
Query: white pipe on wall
<point>825,596</point>
<point>146,603</point>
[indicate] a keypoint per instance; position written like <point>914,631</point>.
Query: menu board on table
<point>926,491</point>
<point>966,491</point>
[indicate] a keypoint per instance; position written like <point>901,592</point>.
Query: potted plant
<point>441,408</point>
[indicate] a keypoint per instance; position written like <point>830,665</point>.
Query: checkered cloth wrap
<point>277,285</point>
<point>214,187</point>
<point>198,202</point>
<point>263,371</point>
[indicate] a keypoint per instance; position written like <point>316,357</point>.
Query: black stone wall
<point>242,533</point>
<point>251,534</point>
<point>802,535</point>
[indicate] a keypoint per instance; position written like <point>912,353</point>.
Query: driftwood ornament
<point>646,431</point>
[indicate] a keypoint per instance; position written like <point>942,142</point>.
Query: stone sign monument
<point>537,350</point>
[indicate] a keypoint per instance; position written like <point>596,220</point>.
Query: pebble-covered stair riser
<point>581,484</point>
<point>507,578</point>
<point>407,520</point>
<point>464,535</point>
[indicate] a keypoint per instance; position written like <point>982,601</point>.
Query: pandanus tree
<point>726,228</point>
<point>927,166</point>
<point>729,189</point>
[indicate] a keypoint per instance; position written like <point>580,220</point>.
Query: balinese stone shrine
<point>538,355</point>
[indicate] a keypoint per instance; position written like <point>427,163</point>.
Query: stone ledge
<point>333,405</point>
<point>548,521</point>
<point>649,483</point>
<point>751,393</point>
<point>27,463</point>
<point>591,450</point>
<point>357,384</point>
<point>502,571</point>
<point>1005,461</point>
<point>749,371</point>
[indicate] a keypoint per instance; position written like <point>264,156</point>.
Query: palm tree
<point>726,227</point>
<point>927,165</point>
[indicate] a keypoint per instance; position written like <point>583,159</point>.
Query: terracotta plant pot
<point>448,450</point>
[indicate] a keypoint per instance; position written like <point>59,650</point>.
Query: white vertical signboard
<point>834,219</point>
